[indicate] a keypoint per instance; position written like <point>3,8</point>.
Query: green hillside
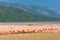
<point>11,14</point>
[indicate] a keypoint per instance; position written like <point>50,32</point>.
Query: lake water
<point>24,23</point>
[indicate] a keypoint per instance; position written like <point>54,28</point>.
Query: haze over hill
<point>25,13</point>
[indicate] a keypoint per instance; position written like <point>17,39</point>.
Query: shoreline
<point>26,23</point>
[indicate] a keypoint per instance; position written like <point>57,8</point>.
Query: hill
<point>13,14</point>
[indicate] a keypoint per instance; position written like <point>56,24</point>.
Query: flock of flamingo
<point>16,29</point>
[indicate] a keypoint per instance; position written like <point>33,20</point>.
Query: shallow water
<point>25,23</point>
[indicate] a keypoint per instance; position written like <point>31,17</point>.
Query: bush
<point>30,24</point>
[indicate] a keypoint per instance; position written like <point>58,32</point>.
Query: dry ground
<point>31,36</point>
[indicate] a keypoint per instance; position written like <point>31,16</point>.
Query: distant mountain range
<point>26,13</point>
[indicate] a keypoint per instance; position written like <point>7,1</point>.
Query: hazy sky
<point>52,4</point>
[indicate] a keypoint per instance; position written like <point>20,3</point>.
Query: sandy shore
<point>31,36</point>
